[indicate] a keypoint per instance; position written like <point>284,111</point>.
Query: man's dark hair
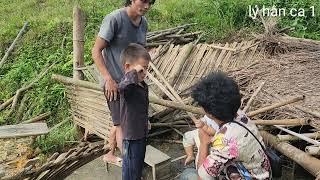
<point>218,95</point>
<point>128,2</point>
<point>133,52</point>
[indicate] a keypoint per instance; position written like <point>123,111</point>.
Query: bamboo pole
<point>168,85</point>
<point>77,82</point>
<point>184,35</point>
<point>158,133</point>
<point>166,141</point>
<point>78,50</point>
<point>177,131</point>
<point>171,29</point>
<point>23,29</point>
<point>24,88</point>
<point>314,135</point>
<point>58,125</point>
<point>163,89</point>
<point>176,105</point>
<point>6,104</point>
<point>308,162</point>
<point>307,110</point>
<point>78,42</point>
<point>255,93</point>
<point>37,118</point>
<point>21,108</point>
<point>223,48</point>
<point>313,150</point>
<point>286,122</point>
<point>309,140</point>
<point>276,105</point>
<point>178,158</point>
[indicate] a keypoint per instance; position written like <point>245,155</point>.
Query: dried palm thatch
<point>293,73</point>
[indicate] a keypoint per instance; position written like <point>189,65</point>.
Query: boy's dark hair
<point>128,2</point>
<point>218,95</point>
<point>133,52</point>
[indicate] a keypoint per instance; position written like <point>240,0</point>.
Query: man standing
<point>119,28</point>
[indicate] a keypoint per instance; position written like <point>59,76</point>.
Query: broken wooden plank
<point>21,130</point>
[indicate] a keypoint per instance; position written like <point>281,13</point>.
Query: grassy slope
<point>49,39</point>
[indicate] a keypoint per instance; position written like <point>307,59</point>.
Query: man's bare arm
<point>111,85</point>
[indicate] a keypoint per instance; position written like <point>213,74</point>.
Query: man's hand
<point>111,89</point>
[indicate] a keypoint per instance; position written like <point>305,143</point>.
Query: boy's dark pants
<point>133,158</point>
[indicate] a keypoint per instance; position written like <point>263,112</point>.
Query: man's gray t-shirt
<point>119,31</point>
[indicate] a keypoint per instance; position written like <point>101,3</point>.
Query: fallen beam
<point>286,122</point>
<point>276,105</point>
<point>313,150</point>
<point>309,140</point>
<point>309,163</point>
<point>288,137</point>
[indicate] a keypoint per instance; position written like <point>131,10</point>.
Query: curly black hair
<point>128,2</point>
<point>218,95</point>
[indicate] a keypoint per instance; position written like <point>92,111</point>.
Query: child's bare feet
<point>189,160</point>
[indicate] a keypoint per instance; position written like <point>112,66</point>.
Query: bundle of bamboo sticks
<point>176,35</point>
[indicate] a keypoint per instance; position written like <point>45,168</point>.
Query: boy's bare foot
<point>189,160</point>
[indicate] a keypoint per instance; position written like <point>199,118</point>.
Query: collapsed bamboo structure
<point>176,67</point>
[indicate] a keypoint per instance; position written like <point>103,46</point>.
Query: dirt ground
<point>15,154</point>
<point>97,170</point>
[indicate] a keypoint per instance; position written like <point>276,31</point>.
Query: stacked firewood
<point>59,166</point>
<point>176,35</point>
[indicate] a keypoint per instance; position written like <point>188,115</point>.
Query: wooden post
<point>78,42</point>
<point>309,163</point>
<point>78,51</point>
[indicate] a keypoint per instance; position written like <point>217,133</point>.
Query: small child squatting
<point>191,138</point>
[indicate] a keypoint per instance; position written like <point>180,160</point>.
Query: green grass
<point>49,39</point>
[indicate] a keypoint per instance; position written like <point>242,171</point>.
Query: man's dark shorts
<point>114,107</point>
